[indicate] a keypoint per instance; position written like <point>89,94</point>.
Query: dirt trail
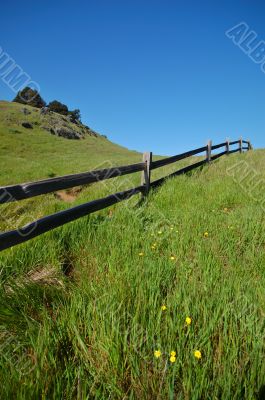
<point>69,196</point>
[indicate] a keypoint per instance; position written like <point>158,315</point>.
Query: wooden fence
<point>45,224</point>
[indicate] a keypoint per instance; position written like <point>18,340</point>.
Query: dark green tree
<point>58,107</point>
<point>30,97</point>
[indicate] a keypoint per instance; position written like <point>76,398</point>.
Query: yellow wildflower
<point>173,354</point>
<point>188,320</point>
<point>141,254</point>
<point>206,234</point>
<point>172,258</point>
<point>197,354</point>
<point>157,353</point>
<point>172,359</point>
<point>163,308</point>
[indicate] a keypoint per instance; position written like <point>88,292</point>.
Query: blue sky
<point>154,75</point>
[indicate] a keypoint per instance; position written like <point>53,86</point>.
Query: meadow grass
<point>81,307</point>
<point>34,154</point>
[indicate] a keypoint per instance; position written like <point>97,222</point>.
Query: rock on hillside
<point>23,117</point>
<point>61,125</point>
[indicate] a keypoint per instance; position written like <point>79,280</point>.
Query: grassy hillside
<point>94,309</point>
<point>33,154</point>
<point>28,154</point>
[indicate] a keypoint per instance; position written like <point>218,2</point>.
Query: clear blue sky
<point>154,75</point>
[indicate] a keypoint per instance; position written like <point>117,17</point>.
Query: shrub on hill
<point>75,115</point>
<point>58,107</point>
<point>30,97</point>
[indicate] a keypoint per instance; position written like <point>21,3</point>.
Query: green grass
<point>34,154</point>
<point>28,154</point>
<point>80,309</point>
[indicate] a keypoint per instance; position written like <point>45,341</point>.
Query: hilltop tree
<point>58,107</point>
<point>30,97</point>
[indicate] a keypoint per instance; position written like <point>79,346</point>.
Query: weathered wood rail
<point>27,190</point>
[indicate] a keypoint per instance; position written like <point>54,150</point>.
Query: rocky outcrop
<point>63,131</point>
<point>62,126</point>
<point>27,125</point>
<point>67,133</point>
<point>56,124</point>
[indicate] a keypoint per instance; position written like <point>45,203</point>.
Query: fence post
<point>209,151</point>
<point>240,145</point>
<point>146,174</point>
<point>227,146</point>
<point>249,145</point>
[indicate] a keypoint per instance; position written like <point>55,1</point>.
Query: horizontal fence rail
<point>50,222</point>
<point>27,190</point>
<point>170,160</point>
<point>184,170</point>
<point>217,146</point>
